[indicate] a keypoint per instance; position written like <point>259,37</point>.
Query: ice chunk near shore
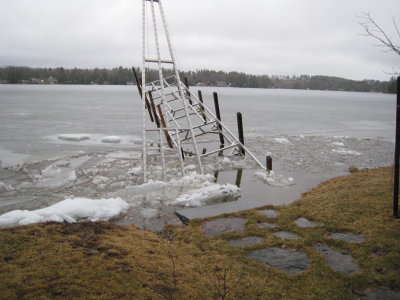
<point>273,179</point>
<point>73,137</point>
<point>207,194</point>
<point>56,176</point>
<point>4,187</point>
<point>111,139</point>
<point>69,210</point>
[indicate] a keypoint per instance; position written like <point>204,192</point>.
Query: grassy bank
<point>105,261</point>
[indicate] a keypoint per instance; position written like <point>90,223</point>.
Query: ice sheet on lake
<point>274,179</point>
<point>69,210</point>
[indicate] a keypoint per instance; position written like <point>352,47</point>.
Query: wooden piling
<point>239,177</point>
<point>201,106</point>
<point>153,109</point>
<point>269,163</point>
<point>218,114</point>
<point>167,136</point>
<point>139,87</point>
<point>397,156</point>
<point>240,131</point>
<point>187,92</point>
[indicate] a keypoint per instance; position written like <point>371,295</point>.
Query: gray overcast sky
<point>315,37</point>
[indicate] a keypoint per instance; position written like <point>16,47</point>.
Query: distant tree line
<point>123,76</point>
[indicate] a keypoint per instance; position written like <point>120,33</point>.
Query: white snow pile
<point>73,137</point>
<point>206,194</point>
<point>69,210</point>
<point>273,179</point>
<point>344,151</point>
<point>111,139</point>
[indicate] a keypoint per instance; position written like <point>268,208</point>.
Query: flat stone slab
<point>223,225</point>
<point>305,223</point>
<point>266,225</point>
<point>287,235</point>
<point>350,238</point>
<point>247,241</point>
<point>339,262</point>
<point>289,261</point>
<point>378,294</point>
<point>269,213</point>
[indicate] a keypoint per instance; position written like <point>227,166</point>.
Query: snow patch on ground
<point>69,210</point>
<point>274,179</point>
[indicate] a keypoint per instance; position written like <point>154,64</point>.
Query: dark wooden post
<point>269,163</point>
<point>139,87</point>
<point>201,105</point>
<point>240,131</point>
<point>167,136</point>
<point>396,156</point>
<point>239,177</point>
<point>218,114</point>
<point>153,109</point>
<point>187,93</point>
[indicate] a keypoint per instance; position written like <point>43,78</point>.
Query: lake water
<point>312,135</point>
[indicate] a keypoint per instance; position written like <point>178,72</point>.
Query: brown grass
<point>106,261</point>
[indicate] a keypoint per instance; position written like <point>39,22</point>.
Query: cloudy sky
<point>315,37</point>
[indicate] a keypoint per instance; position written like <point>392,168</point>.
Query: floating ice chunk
<point>337,144</point>
<point>69,210</point>
<point>274,179</point>
<point>206,194</point>
<point>282,140</point>
<point>4,187</point>
<point>111,139</point>
<point>73,137</point>
<point>135,171</point>
<point>55,176</point>
<point>343,151</point>
<point>226,161</point>
<point>190,168</point>
<point>100,179</point>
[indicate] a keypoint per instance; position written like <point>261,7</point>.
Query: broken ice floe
<point>111,139</point>
<point>55,176</point>
<point>73,137</point>
<point>95,139</point>
<point>274,179</point>
<point>281,140</point>
<point>4,187</point>
<point>207,194</point>
<point>69,210</point>
<point>344,151</point>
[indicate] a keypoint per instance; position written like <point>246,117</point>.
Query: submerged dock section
<point>179,130</point>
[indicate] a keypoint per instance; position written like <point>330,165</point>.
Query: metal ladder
<point>179,119</point>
